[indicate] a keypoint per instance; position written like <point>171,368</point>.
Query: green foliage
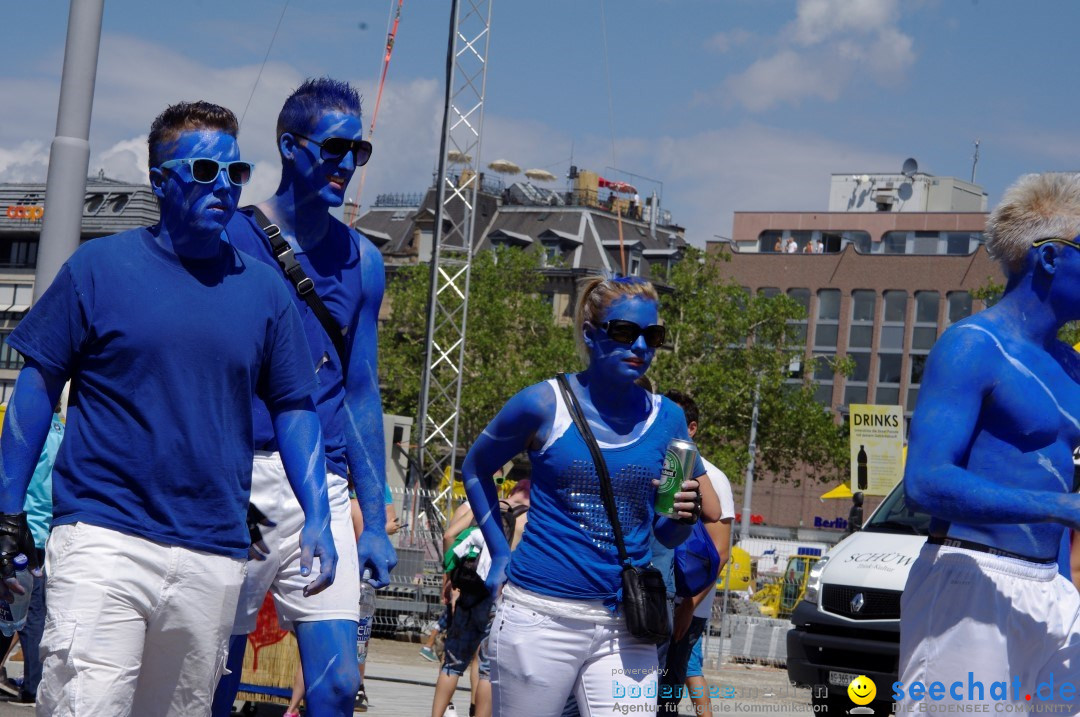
<point>511,339</point>
<point>725,343</point>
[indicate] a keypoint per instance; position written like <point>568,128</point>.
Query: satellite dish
<point>910,167</point>
<point>904,191</point>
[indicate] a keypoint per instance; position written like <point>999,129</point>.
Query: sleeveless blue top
<point>568,547</point>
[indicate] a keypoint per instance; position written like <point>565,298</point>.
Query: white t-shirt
<point>722,487</point>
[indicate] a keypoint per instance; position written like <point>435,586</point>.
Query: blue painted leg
<point>331,671</point>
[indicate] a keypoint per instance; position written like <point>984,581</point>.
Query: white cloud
<point>126,160</point>
<point>27,162</point>
<point>830,45</point>
<point>710,175</point>
<point>788,77</point>
<point>723,42</point>
<point>819,20</point>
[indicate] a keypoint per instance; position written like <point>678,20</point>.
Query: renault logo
<point>857,602</point>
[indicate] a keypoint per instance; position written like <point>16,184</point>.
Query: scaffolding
<point>452,245</point>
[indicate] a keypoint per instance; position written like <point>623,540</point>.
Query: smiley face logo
<point>862,690</point>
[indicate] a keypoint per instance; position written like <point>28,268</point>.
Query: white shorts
<point>999,619</point>
<point>280,572</point>
<point>132,626</point>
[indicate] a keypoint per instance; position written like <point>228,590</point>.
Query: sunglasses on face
<point>333,148</point>
<point>1059,240</point>
<point>627,332</point>
<point>206,171</point>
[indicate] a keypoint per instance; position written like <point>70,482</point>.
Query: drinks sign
<point>877,448</point>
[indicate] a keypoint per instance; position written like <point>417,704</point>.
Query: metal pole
<point>69,157</point>
<point>748,486</point>
<point>727,593</point>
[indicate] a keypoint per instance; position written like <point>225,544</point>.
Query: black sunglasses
<point>337,147</point>
<point>627,332</point>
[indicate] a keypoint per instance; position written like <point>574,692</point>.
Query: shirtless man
<point>990,459</point>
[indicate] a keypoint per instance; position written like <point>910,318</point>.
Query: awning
<point>841,491</point>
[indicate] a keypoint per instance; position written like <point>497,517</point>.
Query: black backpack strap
<point>303,284</point>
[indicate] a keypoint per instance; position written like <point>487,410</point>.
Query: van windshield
<point>894,515</point>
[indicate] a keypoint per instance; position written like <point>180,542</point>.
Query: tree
<point>511,338</point>
<point>724,344</point>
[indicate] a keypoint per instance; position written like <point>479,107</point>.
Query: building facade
<point>109,207</point>
<point>879,286</point>
<point>595,226</point>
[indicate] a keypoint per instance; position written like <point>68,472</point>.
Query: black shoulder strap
<point>303,284</point>
<point>606,492</point>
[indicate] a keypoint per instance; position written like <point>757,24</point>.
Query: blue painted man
<point>166,333</point>
<point>320,141</point>
<point>990,459</point>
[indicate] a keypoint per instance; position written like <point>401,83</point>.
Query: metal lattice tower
<point>452,246</point>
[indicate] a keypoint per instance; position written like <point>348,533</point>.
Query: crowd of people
<point>224,440</point>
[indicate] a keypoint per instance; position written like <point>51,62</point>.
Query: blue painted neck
<point>300,215</point>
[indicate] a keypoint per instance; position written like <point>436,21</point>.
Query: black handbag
<point>644,602</point>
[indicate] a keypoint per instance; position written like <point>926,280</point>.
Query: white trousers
<point>992,630</point>
<point>280,572</point>
<point>133,627</point>
<point>538,661</point>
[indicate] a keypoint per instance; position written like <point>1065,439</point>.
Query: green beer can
<point>679,464</point>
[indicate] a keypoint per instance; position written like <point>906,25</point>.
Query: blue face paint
<point>323,180</point>
<point>617,362</point>
<point>194,214</point>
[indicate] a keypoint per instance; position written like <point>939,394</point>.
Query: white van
<point>848,623</point>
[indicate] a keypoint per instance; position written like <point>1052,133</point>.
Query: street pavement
<point>401,683</point>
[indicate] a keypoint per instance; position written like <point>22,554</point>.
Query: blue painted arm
<point>509,433</point>
<point>26,426</point>
<point>962,371</point>
<point>365,448</point>
<point>300,441</point>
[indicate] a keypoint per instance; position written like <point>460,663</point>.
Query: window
<point>635,265</point>
<point>959,306</point>
<point>770,241</point>
<point>9,357</point>
<point>891,348</point>
<point>923,336</point>
<point>860,334</point>
<point>797,334</point>
<point>826,332</point>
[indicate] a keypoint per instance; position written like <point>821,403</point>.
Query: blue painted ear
<point>157,182</point>
<point>587,335</point>
<point>1046,257</point>
<point>287,145</point>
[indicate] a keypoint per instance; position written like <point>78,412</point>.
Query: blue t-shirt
<point>334,266</point>
<point>568,548</point>
<point>164,356</point>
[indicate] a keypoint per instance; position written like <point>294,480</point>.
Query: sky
<point>718,105</point>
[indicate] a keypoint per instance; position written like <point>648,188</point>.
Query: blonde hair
<point>1036,206</point>
<point>596,295</point>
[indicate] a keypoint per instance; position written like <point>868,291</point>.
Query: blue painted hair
<point>312,99</point>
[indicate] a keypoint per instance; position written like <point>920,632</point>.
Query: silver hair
<point>1036,206</point>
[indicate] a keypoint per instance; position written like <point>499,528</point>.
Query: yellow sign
<point>877,448</point>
